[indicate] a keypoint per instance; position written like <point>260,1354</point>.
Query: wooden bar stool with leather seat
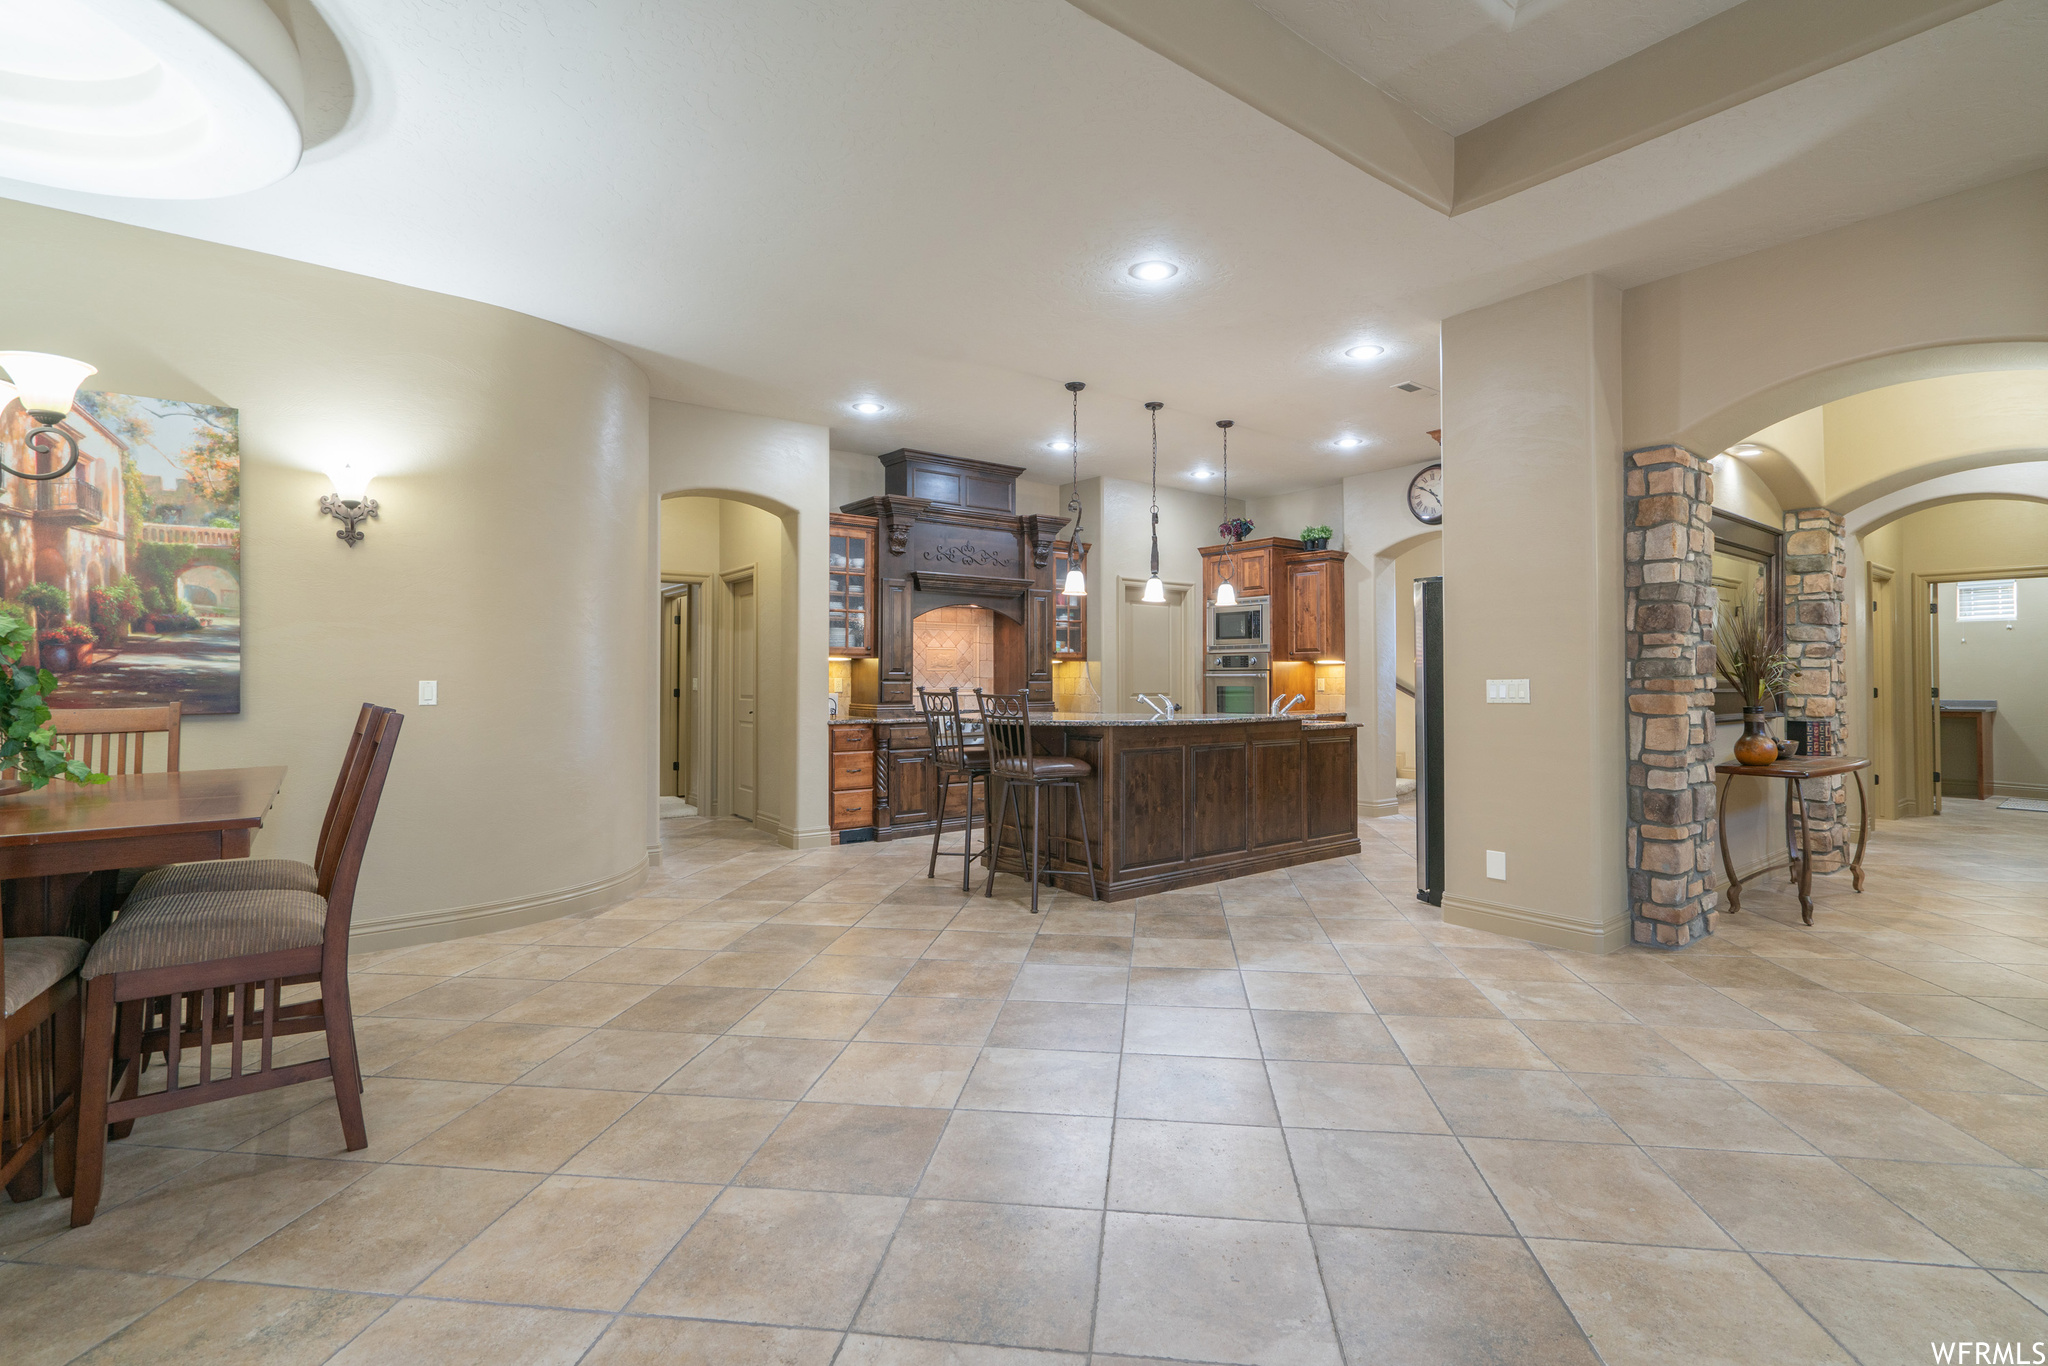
<point>956,755</point>
<point>241,945</point>
<point>1006,726</point>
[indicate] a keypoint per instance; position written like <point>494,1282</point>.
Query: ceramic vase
<point>1756,747</point>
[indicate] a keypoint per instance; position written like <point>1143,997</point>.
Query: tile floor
<point>808,1108</point>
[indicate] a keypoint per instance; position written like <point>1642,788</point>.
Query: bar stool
<point>954,755</point>
<point>1006,726</point>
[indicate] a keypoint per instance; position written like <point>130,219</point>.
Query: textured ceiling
<point>781,207</point>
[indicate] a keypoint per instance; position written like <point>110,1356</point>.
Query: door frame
<point>1926,793</point>
<point>1123,629</point>
<point>725,692</point>
<point>1882,578</point>
<point>688,713</point>
<point>696,658</point>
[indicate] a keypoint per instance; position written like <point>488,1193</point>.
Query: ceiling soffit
<point>1725,60</point>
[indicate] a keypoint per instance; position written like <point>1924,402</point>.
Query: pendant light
<point>1076,585</point>
<point>1155,591</point>
<point>1226,594</point>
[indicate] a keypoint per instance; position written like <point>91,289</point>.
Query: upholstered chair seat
<point>203,927</point>
<point>227,875</point>
<point>35,963</point>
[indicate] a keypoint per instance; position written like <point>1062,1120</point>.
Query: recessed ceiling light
<point>1152,272</point>
<point>867,407</point>
<point>1366,352</point>
<point>1059,445</point>
<point>1201,474</point>
<point>1350,443</point>
<point>1746,449</point>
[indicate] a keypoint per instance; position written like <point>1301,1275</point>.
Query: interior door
<point>746,677</point>
<point>671,688</point>
<point>683,700</point>
<point>1933,699</point>
<point>1883,667</point>
<point>1152,653</point>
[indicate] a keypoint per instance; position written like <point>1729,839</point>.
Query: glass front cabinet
<point>850,608</point>
<point>1069,615</point>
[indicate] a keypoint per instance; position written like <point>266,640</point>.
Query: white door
<point>671,689</point>
<point>746,675</point>
<point>1152,648</point>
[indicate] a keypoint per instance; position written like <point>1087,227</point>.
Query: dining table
<point>53,840</point>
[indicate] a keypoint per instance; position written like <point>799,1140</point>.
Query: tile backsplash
<point>954,647</point>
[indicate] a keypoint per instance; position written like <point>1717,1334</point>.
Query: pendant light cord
<point>1154,408</point>
<point>1228,566</point>
<point>1074,387</point>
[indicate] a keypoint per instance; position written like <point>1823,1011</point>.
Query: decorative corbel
<point>1044,533</point>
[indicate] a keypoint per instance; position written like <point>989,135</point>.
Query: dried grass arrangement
<point>1750,655</point>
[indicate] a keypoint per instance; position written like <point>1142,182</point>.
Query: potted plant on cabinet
<point>1235,529</point>
<point>30,756</point>
<point>1750,654</point>
<point>1315,538</point>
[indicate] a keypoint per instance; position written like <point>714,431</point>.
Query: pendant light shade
<point>1076,585</point>
<point>1155,591</point>
<point>47,384</point>
<point>1226,592</point>
<point>1226,596</point>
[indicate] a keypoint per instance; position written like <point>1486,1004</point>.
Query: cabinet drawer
<point>852,737</point>
<point>853,772</point>
<point>910,737</point>
<point>850,809</point>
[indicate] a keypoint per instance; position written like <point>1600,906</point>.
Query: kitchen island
<point>1192,800</point>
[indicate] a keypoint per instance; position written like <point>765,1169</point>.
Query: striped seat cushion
<point>201,927</point>
<point>228,875</point>
<point>35,963</point>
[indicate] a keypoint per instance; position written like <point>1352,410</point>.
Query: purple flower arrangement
<point>1235,529</point>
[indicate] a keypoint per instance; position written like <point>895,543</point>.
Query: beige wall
<point>1285,514</point>
<point>1117,518</point>
<point>1419,563</point>
<point>782,471</point>
<point>510,453</point>
<point>1532,589</point>
<point>1378,528</point>
<point>2005,662</point>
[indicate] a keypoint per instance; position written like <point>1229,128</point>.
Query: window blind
<point>1988,600</point>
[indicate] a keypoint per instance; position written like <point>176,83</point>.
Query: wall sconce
<point>46,386</point>
<point>350,502</point>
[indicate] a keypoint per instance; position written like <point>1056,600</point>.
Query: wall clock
<point>1426,496</point>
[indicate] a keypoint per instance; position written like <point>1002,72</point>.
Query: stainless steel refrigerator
<point>1429,740</point>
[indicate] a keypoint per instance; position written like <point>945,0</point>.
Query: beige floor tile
<point>2015,1125</point>
<point>1762,1055</point>
<point>132,1168</point>
<point>1692,1007</point>
<point>592,933</point>
<point>487,1051</point>
<point>1223,1171</point>
<point>934,977</point>
<point>1393,1180</point>
<point>50,1314</point>
<point>1994,1214</point>
<point>619,1060</point>
<point>1888,1314</point>
<point>871,976</point>
<point>541,962</point>
<point>1684,1112</point>
<point>1862,976</point>
<point>789,939</point>
<point>1638,967</point>
<point>1617,1048</point>
<point>576,1003</point>
<point>1450,1042</point>
<point>230,1123</point>
<point>576,1242</point>
<point>693,936</point>
<point>931,1019</point>
<point>859,1149</point>
<point>1195,1090</point>
<point>452,1334</point>
<point>1393,995</point>
<point>385,1233</point>
<point>522,1128</point>
<point>397,1113</point>
<point>1167,951</point>
<point>864,1350</point>
<point>452,998</point>
<point>1817,1010</point>
<point>1190,1030</point>
<point>1042,1080</point>
<point>667,1342</point>
<point>764,1068</point>
<point>820,912</point>
<point>200,1218</point>
<point>243,1325</point>
<point>380,1042</point>
<point>1407,1296</point>
<point>1867,1121</point>
<point>2025,1059</point>
<point>680,1009</point>
<point>1517,964</point>
<point>1738,972</point>
<point>801,1259</point>
<point>896,1074</point>
<point>1212,1290</point>
<point>1553,1001</point>
<point>1808,1206</point>
<point>1398,960</point>
<point>894,917</point>
<point>654,967</point>
<point>1058,1025</point>
<point>1026,1159</point>
<point>1329,993</point>
<point>2031,1284</point>
<point>1339,1095</point>
<point>1282,956</point>
<point>1052,982</point>
<point>1918,1062</point>
<point>1650,1306</point>
<point>1591,1192</point>
<point>980,946</point>
<point>438,960</point>
<point>875,942</point>
<point>680,1138</point>
<point>1312,1036</point>
<point>1953,1017</point>
<point>736,968</point>
<point>809,1015</point>
<point>1495,1103</point>
<point>1080,951</point>
<point>1011,1275</point>
<point>1186,987</point>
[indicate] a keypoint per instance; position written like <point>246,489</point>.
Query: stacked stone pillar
<point>1816,580</point>
<point>1669,619</point>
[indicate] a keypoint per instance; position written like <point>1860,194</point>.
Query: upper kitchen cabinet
<point>1314,607</point>
<point>850,608</point>
<point>1255,569</point>
<point>1069,615</point>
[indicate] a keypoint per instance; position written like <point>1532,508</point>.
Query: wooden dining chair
<point>39,1062</point>
<point>243,947</point>
<point>100,737</point>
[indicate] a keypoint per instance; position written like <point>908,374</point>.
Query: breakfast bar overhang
<point>1189,801</point>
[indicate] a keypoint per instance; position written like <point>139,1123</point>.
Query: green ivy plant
<point>30,747</point>
<point>1315,533</point>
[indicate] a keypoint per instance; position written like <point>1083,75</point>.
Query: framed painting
<point>130,566</point>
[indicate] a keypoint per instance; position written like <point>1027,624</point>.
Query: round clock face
<point>1426,496</point>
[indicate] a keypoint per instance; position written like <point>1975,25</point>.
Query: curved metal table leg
<point>1862,829</point>
<point>1728,864</point>
<point>1805,852</point>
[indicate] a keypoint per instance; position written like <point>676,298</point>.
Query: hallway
<point>803,1108</point>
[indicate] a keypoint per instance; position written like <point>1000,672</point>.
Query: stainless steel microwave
<point>1246,626</point>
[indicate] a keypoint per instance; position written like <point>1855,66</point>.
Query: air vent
<point>1409,386</point>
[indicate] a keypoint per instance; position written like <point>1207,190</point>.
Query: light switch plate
<point>1497,865</point>
<point>1507,690</point>
<point>429,692</point>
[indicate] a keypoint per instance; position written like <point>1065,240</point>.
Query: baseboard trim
<point>1373,810</point>
<point>1553,931</point>
<point>654,856</point>
<point>2019,789</point>
<point>462,921</point>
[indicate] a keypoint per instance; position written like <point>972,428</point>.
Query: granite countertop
<point>1140,718</point>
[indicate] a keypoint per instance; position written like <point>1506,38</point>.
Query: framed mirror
<point>1749,581</point>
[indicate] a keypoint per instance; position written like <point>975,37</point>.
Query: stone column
<point>1816,581</point>
<point>1668,580</point>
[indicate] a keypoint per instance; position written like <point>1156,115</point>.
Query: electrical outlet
<point>1322,685</point>
<point>429,692</point>
<point>1507,690</point>
<point>1497,865</point>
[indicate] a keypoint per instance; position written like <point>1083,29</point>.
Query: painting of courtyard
<point>130,566</point>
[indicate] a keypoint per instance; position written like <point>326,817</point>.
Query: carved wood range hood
<point>950,536</point>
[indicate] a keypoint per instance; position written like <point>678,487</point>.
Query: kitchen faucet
<point>1281,708</point>
<point>1163,707</point>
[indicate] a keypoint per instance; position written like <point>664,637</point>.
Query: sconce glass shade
<point>351,483</point>
<point>45,384</point>
<point>1076,585</point>
<point>1226,596</point>
<point>1155,591</point>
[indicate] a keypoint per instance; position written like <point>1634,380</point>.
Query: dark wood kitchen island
<point>1193,800</point>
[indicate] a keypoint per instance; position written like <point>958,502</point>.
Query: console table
<point>1794,771</point>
